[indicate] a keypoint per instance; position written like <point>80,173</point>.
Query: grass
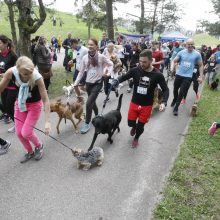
<point>78,29</point>
<point>193,188</point>
<point>206,39</point>
<point>58,81</point>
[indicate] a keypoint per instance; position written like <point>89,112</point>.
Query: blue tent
<point>173,36</point>
<point>134,37</point>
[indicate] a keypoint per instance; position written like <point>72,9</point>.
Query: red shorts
<point>142,113</point>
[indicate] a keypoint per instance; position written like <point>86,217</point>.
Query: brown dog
<point>194,108</point>
<point>158,98</point>
<point>66,111</point>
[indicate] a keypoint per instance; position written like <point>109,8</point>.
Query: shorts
<point>142,113</point>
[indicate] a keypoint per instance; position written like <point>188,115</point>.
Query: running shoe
<point>38,153</point>
<point>133,131</point>
<point>85,128</point>
<point>212,130</point>
<point>11,130</point>
<point>135,143</point>
<point>4,147</point>
<point>27,157</point>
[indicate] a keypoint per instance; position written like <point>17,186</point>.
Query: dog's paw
<point>110,140</point>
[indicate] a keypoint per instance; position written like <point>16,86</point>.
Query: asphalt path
<point>127,185</point>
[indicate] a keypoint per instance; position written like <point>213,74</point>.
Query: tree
<point>27,25</point>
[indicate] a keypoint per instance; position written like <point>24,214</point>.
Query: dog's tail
<point>119,102</point>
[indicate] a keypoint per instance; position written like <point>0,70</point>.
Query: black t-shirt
<point>7,62</point>
<point>134,57</point>
<point>145,84</point>
<point>143,46</point>
<point>211,65</point>
<point>34,94</point>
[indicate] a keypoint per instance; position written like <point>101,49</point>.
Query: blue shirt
<point>217,57</point>
<point>187,61</point>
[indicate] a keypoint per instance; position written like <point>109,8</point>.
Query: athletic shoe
<point>4,147</point>
<point>7,120</point>
<point>85,128</point>
<point>183,102</point>
<point>27,157</point>
<point>129,90</point>
<point>212,130</point>
<point>175,111</point>
<point>11,130</point>
<point>38,153</point>
<point>173,103</point>
<point>133,131</point>
<point>135,143</point>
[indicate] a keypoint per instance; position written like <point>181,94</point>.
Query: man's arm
<point>165,89</point>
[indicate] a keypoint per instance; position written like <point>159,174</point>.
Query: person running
<point>210,67</point>
<point>67,45</point>
<point>44,60</point>
<point>133,61</point>
<point>59,43</point>
<point>187,60</point>
<point>103,43</point>
<point>166,56</point>
<point>30,89</point>
<point>157,55</point>
<point>93,64</point>
<point>142,43</point>
<point>4,146</point>
<point>145,78</point>
<point>214,127</point>
<point>8,96</point>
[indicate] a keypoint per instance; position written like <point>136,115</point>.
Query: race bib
<point>212,64</point>
<point>92,71</point>
<point>110,80</point>
<point>141,90</point>
<point>187,64</point>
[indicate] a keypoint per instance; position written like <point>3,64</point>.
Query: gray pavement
<point>126,187</point>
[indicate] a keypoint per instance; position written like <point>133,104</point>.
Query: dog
<point>194,108</point>
<point>214,85</point>
<point>66,111</point>
<point>68,90</point>
<point>158,98</point>
<point>87,159</point>
<point>107,124</point>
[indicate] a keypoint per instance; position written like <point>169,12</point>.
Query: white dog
<point>68,90</point>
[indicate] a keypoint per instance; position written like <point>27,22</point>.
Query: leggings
<point>195,85</point>
<point>8,100</point>
<point>92,91</point>
<point>181,87</point>
<point>2,142</point>
<point>24,123</point>
<point>138,126</point>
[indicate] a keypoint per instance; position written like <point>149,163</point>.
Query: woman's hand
<point>47,128</point>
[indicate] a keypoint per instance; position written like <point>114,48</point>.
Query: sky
<point>193,10</point>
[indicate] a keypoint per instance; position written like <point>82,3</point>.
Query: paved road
<point>126,187</point>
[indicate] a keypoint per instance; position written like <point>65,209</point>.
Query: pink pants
<point>24,123</point>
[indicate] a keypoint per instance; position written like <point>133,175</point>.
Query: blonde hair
<point>25,63</point>
<point>110,45</point>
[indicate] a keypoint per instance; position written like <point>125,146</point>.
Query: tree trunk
<point>142,17</point>
<point>27,25</point>
<point>109,14</point>
<point>154,17</point>
<point>89,30</point>
<point>12,22</point>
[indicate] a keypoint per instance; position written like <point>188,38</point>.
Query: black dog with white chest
<point>107,124</point>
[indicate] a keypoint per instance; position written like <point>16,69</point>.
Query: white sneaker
<point>11,130</point>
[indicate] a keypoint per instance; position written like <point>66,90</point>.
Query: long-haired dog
<point>158,98</point>
<point>107,124</point>
<point>87,159</point>
<point>194,108</point>
<point>66,111</point>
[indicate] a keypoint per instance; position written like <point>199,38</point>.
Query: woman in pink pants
<point>31,92</point>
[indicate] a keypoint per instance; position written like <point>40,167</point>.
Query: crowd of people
<point>144,64</point>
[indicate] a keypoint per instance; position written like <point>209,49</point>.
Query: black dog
<point>214,85</point>
<point>107,124</point>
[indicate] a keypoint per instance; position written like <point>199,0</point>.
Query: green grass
<point>58,81</point>
<point>206,39</point>
<point>193,188</point>
<point>78,29</point>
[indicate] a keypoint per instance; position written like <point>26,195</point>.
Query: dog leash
<point>47,135</point>
<point>106,99</point>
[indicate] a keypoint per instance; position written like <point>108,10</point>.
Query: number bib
<point>143,86</point>
<point>141,90</point>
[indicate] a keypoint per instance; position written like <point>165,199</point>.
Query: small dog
<point>194,108</point>
<point>107,124</point>
<point>87,159</point>
<point>158,98</point>
<point>68,90</point>
<point>214,85</point>
<point>66,111</point>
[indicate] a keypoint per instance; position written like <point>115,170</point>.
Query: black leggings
<point>124,63</point>
<point>8,100</point>
<point>92,91</point>
<point>2,142</point>
<point>195,85</point>
<point>47,83</point>
<point>181,87</point>
<point>138,126</point>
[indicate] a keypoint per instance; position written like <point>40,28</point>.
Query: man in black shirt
<point>145,78</point>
